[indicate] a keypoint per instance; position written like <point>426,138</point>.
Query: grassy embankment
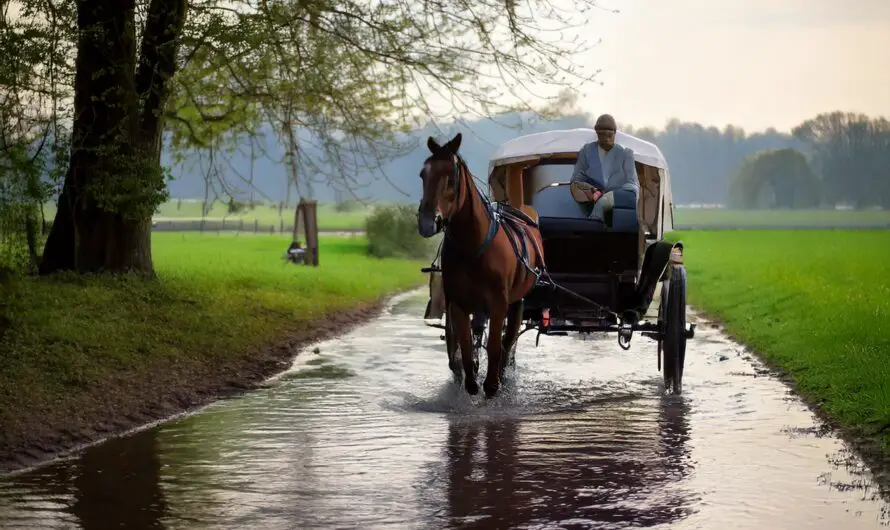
<point>813,303</point>
<point>216,298</point>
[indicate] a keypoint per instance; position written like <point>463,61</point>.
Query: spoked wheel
<point>672,317</point>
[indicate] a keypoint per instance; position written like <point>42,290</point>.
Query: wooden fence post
<point>306,217</point>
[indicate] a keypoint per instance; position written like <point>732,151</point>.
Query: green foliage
<point>217,297</point>
<point>815,303</point>
<point>346,77</point>
<point>21,194</point>
<point>392,232</point>
<point>131,185</point>
<point>783,175</point>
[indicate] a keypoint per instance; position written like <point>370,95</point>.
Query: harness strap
<point>493,225</point>
<point>516,235</point>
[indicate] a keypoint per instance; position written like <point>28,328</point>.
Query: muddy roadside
<point>132,400</point>
<point>867,445</point>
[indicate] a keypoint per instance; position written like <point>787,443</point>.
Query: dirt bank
<point>130,400</point>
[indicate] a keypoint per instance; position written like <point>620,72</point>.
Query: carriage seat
<point>623,211</point>
<point>557,209</point>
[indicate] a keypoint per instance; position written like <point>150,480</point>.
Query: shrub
<point>392,232</point>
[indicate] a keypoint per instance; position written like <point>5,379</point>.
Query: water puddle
<point>369,432</point>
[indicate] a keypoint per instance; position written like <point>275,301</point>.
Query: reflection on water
<point>584,467</point>
<point>371,433</point>
<point>116,485</point>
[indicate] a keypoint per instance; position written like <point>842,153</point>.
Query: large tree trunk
<point>104,218</point>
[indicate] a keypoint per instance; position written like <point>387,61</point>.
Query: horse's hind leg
<point>511,334</point>
<point>451,344</point>
<point>492,382</point>
<point>461,328</point>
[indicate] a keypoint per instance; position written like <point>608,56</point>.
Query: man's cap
<point>605,123</point>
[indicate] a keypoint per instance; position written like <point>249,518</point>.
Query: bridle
<point>442,221</point>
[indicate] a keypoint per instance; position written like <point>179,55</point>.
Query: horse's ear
<point>454,144</point>
<point>432,145</point>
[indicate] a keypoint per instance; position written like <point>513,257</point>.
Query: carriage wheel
<point>672,317</point>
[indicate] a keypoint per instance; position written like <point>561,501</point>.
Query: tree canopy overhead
<point>343,75</point>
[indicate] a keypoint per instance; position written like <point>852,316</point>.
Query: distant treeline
<point>846,151</point>
<point>848,158</point>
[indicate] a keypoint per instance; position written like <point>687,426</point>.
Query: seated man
<point>603,167</point>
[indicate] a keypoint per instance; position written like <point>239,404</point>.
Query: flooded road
<point>370,433</point>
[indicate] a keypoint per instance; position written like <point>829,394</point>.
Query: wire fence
<point>240,225</point>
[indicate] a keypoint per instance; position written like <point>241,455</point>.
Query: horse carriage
<point>587,275</point>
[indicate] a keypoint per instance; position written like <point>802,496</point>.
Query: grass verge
<point>815,304</point>
<point>75,351</point>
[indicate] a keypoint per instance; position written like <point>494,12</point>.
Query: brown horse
<point>490,259</point>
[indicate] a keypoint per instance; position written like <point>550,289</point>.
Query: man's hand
<point>593,195</point>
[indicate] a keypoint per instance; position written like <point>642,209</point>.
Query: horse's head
<point>441,185</point>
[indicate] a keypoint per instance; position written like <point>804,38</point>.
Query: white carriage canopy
<point>652,167</point>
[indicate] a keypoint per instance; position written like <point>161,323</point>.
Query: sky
<point>752,63</point>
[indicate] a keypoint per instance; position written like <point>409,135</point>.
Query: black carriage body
<point>612,262</point>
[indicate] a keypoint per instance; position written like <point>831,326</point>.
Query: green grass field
<point>216,296</point>
<point>330,219</point>
<point>814,303</point>
<point>712,217</point>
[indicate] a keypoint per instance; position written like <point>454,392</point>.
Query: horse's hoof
<point>472,387</point>
<point>490,389</point>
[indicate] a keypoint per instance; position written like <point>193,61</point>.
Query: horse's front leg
<point>496,316</point>
<point>461,328</point>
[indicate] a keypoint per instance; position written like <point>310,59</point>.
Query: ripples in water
<point>370,433</point>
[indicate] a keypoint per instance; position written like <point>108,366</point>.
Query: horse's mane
<point>473,179</point>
